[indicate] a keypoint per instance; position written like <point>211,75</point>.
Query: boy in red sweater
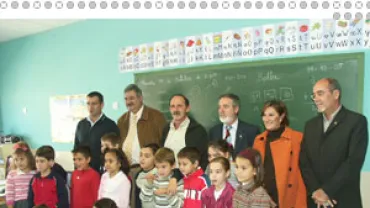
<point>47,187</point>
<point>195,181</point>
<point>85,181</point>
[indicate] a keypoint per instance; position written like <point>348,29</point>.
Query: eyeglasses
<point>320,93</point>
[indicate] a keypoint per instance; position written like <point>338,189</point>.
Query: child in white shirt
<point>114,182</point>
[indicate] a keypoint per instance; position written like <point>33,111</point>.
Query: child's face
<point>213,153</point>
<point>164,169</point>
<point>146,159</point>
<point>186,166</point>
<point>80,161</point>
<point>107,145</point>
<point>111,163</point>
<point>21,162</point>
<point>43,165</point>
<point>217,174</point>
<point>244,170</point>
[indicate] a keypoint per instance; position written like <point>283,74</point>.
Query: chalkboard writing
<point>290,80</point>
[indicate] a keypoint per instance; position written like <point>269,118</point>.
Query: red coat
<point>224,201</point>
<point>84,188</point>
<point>194,185</point>
<point>285,152</point>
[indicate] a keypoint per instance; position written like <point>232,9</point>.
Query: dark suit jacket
<point>90,136</point>
<point>333,160</point>
<point>195,136</point>
<point>245,135</point>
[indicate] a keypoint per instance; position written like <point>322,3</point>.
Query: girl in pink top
<point>220,194</point>
<point>17,181</point>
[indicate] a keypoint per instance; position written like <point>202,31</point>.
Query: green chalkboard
<point>289,79</point>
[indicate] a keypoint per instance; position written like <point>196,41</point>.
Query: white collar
<point>333,114</point>
<point>139,113</point>
<point>233,125</point>
<point>182,124</point>
<point>92,123</point>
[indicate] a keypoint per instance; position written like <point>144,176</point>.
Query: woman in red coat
<point>279,146</point>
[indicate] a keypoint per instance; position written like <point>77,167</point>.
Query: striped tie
<point>228,135</point>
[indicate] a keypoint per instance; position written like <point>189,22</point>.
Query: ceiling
<point>13,29</point>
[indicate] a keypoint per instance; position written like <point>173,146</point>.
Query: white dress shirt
<point>176,137</point>
<point>135,143</point>
<point>328,122</point>
<point>91,122</point>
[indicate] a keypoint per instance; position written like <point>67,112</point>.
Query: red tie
<point>227,132</point>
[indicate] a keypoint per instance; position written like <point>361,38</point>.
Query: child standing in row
<point>55,167</point>
<point>17,181</point>
<point>147,169</point>
<point>195,181</point>
<point>249,170</point>
<point>114,182</point>
<point>221,148</point>
<point>154,192</point>
<point>108,141</point>
<point>47,187</point>
<point>220,194</point>
<point>85,181</point>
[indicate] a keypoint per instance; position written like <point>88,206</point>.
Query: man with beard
<point>184,131</point>
<point>90,129</point>
<point>237,133</point>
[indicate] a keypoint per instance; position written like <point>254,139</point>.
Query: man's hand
<point>322,199</point>
<point>160,191</point>
<point>172,187</point>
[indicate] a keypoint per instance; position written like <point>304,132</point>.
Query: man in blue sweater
<point>90,129</point>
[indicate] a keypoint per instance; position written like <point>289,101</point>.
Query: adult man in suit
<point>90,129</point>
<point>333,150</point>
<point>238,133</point>
<point>139,126</point>
<point>184,131</point>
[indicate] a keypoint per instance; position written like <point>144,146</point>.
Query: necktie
<point>228,135</point>
<point>132,131</point>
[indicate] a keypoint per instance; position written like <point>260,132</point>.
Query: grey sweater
<point>149,199</point>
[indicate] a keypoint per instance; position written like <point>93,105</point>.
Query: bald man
<point>333,150</point>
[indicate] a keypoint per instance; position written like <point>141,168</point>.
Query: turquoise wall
<point>82,57</point>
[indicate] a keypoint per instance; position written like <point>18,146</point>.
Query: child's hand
<point>161,191</point>
<point>172,187</point>
<point>150,178</point>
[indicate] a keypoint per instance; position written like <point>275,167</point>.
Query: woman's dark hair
<point>105,203</point>
<point>222,146</point>
<point>255,159</point>
<point>122,159</point>
<point>280,108</point>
